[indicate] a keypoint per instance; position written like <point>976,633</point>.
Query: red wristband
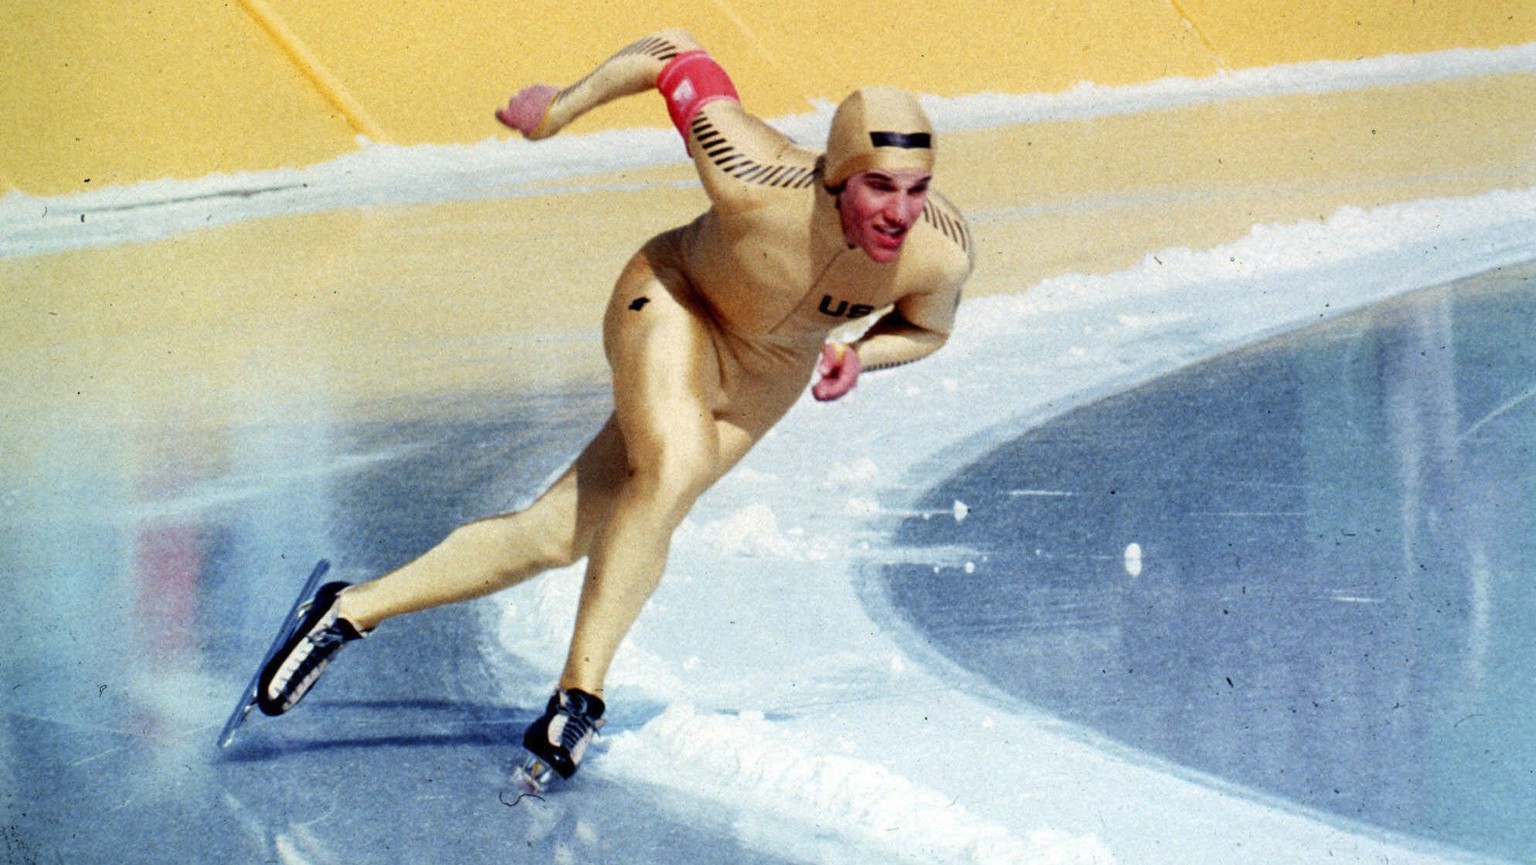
<point>691,81</point>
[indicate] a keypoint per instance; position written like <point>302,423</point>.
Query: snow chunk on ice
<point>861,507</point>
<point>860,473</point>
<point>752,531</point>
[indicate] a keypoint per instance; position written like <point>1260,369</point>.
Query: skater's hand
<point>839,371</point>
<point>526,110</point>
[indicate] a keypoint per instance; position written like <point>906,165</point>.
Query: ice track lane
<point>115,677</point>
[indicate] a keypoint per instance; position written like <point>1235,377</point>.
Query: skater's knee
<point>672,478</point>
<point>680,456</point>
<point>556,552</point>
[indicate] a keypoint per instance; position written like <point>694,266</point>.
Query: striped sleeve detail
<point>733,162</point>
<point>948,221</point>
<point>657,48</point>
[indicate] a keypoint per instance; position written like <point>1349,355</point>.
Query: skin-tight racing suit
<point>712,332</point>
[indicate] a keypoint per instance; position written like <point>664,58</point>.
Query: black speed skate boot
<point>317,635</point>
<point>557,741</point>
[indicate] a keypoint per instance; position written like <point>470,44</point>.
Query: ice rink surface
<point>409,748</point>
<point>1303,567</point>
<point>1139,569</point>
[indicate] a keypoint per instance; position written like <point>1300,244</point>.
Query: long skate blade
<point>295,612</point>
<point>533,776</point>
<point>237,718</point>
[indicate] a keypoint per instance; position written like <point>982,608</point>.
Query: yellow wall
<point>98,92</point>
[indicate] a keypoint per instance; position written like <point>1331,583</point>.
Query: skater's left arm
<point>920,322</point>
<point>918,326</point>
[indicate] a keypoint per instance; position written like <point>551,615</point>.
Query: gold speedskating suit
<point>712,333</point>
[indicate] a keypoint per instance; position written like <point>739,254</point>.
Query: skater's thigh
<point>753,404</point>
<point>567,515</point>
<point>660,345</point>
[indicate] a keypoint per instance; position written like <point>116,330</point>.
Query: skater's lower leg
<point>629,555</point>
<point>474,560</point>
<point>611,601</point>
<point>488,555</point>
<point>625,565</point>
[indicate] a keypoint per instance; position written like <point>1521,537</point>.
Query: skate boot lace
<point>303,667</point>
<point>293,670</point>
<point>575,730</point>
<point>330,635</point>
<point>572,727</point>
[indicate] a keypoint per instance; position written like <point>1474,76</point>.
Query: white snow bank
<point>1323,76</point>
<point>501,167</point>
<point>767,771</point>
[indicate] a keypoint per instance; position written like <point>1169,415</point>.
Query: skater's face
<point>878,208</point>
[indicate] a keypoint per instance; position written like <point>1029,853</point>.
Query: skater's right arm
<point>542,110</point>
<point>737,155</point>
